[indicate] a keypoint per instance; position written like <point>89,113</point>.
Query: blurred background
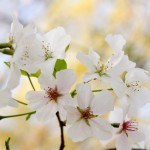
<point>88,22</point>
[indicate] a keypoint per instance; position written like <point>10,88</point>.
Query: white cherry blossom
<point>27,55</point>
<point>54,44</point>
<point>129,131</point>
<point>84,118</point>
<point>54,94</point>
<point>131,89</point>
<point>114,66</point>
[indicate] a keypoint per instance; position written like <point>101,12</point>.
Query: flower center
<point>130,126</point>
<point>47,50</point>
<point>52,94</point>
<point>135,85</point>
<point>87,113</point>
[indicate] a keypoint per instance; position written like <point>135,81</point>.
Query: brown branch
<point>132,149</point>
<point>61,125</point>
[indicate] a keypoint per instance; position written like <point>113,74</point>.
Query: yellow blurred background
<point>88,22</point>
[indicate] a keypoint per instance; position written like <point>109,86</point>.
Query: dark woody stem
<point>61,125</point>
<point>132,149</point>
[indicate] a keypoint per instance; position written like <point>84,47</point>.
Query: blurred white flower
<point>84,118</point>
<point>131,89</point>
<point>54,94</point>
<point>11,83</point>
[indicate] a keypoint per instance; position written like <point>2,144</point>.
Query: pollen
<point>130,126</point>
<point>52,94</point>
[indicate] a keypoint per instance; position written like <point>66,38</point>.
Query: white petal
<point>16,27</point>
<point>136,136</point>
<point>73,115</point>
<point>116,116</point>
<point>137,74</point>
<point>65,80</point>
<point>120,63</point>
<point>140,98</point>
<point>67,100</point>
<point>91,60</point>
<point>90,76</point>
<point>116,42</point>
<point>47,66</point>
<point>47,111</point>
<point>5,97</point>
<point>79,131</point>
<point>47,80</point>
<point>36,99</point>
<point>84,95</point>
<point>14,77</point>
<point>61,47</point>
<point>94,57</point>
<point>102,102</point>
<point>117,85</point>
<point>122,142</point>
<point>101,128</point>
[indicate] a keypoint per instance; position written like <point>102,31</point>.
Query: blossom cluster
<point>81,109</point>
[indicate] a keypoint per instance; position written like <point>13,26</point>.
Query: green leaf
<point>37,74</point>
<point>28,116</point>
<point>59,65</point>
<point>67,48</point>
<point>7,64</point>
<point>7,144</point>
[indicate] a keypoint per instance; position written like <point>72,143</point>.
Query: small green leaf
<point>67,48</point>
<point>28,116</point>
<point>7,64</point>
<point>59,65</point>
<point>37,74</point>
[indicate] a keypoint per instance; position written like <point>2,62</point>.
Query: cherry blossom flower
<point>54,44</point>
<point>27,55</point>
<point>129,131</point>
<point>84,118</point>
<point>54,94</point>
<point>115,65</point>
<point>131,89</point>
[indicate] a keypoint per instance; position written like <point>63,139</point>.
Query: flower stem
<point>7,144</point>
<point>18,115</point>
<point>61,125</point>
<point>74,92</point>
<point>20,102</point>
<point>101,90</point>
<point>30,81</point>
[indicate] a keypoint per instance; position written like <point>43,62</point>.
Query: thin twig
<point>18,115</point>
<point>20,102</point>
<point>61,124</point>
<point>30,81</point>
